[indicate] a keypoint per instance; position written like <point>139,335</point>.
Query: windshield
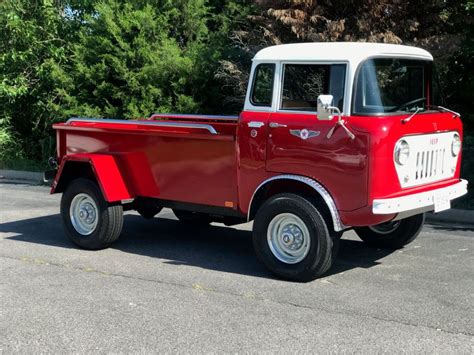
<point>390,85</point>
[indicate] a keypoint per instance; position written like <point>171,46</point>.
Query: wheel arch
<point>298,184</point>
<point>101,168</point>
<point>70,170</point>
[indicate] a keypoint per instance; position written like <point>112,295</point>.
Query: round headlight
<point>402,152</point>
<point>456,145</point>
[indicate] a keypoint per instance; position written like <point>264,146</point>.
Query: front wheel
<point>392,235</point>
<point>89,221</point>
<point>291,238</point>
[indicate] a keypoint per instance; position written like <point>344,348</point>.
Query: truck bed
<point>186,158</point>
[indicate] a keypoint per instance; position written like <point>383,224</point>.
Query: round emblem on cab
<point>304,134</point>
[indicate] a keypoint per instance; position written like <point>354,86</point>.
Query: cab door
<point>297,140</point>
<point>297,143</point>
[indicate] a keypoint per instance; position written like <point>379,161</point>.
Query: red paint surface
<point>181,164</point>
<point>251,156</point>
<point>106,169</point>
<point>191,165</point>
<point>382,177</point>
<point>338,163</point>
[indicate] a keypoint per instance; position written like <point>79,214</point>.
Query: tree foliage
<point>106,58</point>
<point>444,27</point>
<point>128,59</point>
<point>133,59</point>
<point>32,47</point>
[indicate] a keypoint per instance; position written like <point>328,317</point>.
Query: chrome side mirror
<point>325,109</point>
<point>325,112</point>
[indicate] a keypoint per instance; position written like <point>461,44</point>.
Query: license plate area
<point>441,202</point>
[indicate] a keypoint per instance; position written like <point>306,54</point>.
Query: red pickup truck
<point>333,136</point>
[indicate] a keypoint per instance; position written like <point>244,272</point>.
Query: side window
<point>262,89</point>
<point>303,83</point>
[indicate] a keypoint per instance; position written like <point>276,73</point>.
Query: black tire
<point>336,243</point>
<point>109,217</point>
<point>195,218</point>
<point>148,212</point>
<point>322,246</point>
<point>392,235</point>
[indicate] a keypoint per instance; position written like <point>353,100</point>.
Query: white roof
<point>337,51</point>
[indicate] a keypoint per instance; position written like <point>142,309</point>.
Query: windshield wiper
<point>444,109</point>
<point>409,103</point>
<point>405,120</point>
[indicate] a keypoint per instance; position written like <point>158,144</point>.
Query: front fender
<point>104,168</point>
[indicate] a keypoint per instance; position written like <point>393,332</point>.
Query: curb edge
<point>21,176</point>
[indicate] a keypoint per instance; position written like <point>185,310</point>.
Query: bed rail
<point>207,127</point>
<point>194,117</point>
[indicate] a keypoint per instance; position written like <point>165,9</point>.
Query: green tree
<point>107,58</point>
<point>136,58</point>
<point>32,48</point>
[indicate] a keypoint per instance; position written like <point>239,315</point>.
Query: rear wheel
<point>392,235</point>
<point>195,218</point>
<point>292,239</point>
<point>89,221</point>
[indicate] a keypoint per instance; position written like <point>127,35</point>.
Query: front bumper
<point>423,200</point>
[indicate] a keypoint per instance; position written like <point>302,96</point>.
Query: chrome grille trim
<point>430,159</point>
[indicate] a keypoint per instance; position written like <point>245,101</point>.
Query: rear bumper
<point>420,201</point>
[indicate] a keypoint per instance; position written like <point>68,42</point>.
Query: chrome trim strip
<point>419,200</point>
<point>338,225</point>
<point>193,116</point>
<point>208,127</point>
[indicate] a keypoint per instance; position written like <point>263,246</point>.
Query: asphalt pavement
<point>166,287</point>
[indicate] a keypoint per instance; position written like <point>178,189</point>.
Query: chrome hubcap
<point>288,238</point>
<point>83,213</point>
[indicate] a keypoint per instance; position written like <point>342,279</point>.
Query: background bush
<point>128,59</point>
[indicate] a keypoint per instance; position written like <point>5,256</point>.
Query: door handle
<point>277,125</point>
<point>255,124</point>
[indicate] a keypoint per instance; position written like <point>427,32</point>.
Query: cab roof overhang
<point>338,51</point>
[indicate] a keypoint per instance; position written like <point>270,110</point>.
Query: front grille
<point>430,159</point>
<point>430,164</point>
